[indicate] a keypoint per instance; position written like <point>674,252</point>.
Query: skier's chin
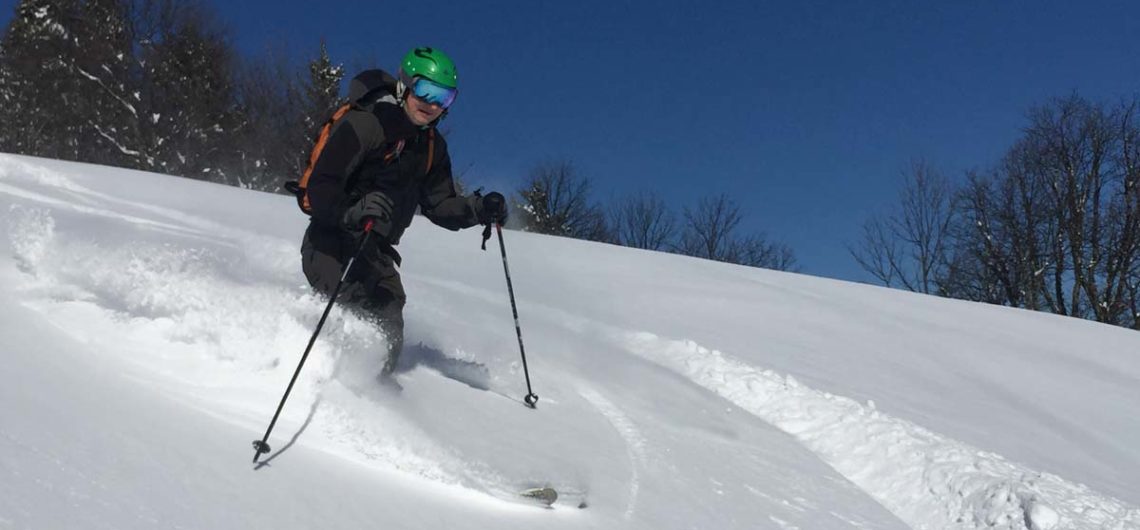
<point>422,116</point>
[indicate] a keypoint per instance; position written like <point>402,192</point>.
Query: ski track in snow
<point>927,480</point>
<point>103,213</point>
<point>634,441</point>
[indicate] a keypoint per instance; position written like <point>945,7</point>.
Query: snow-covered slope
<point>151,323</point>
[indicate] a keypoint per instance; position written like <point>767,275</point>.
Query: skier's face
<point>420,111</point>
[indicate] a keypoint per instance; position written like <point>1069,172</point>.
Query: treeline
<point>1054,226</point>
<point>156,85</point>
<point>556,199</point>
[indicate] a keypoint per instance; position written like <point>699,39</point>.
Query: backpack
<point>367,88</point>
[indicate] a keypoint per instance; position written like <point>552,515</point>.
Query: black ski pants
<point>372,289</point>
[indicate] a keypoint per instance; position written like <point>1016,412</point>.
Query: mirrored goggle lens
<point>432,92</point>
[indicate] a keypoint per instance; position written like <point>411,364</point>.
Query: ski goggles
<point>427,90</point>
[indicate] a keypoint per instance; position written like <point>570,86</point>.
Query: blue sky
<point>804,112</point>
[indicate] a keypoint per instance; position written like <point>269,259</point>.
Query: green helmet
<point>429,63</point>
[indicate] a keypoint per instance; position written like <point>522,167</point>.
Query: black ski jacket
<point>377,148</point>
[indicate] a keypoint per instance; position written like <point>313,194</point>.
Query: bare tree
<point>556,200</point>
<point>710,232</point>
<point>644,221</point>
<point>708,228</point>
<point>1057,225</point>
<point>1123,262</point>
<point>756,251</point>
<point>909,247</point>
<point>880,253</point>
<point>1076,150</point>
<point>1000,250</point>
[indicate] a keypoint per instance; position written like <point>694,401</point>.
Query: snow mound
<point>928,480</point>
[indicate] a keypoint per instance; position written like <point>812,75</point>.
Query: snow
<point>151,324</point>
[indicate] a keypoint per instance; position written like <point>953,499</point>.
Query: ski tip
<point>545,496</point>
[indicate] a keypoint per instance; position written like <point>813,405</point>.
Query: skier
<point>379,162</point>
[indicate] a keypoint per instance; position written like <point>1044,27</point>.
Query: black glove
<point>373,205</point>
<point>492,208</point>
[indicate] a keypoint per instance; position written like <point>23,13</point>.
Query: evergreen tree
<point>323,89</point>
<point>188,95</point>
<point>321,99</point>
<point>105,107</point>
<point>37,79</point>
<point>8,103</point>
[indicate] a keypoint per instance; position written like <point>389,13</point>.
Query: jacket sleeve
<point>352,137</point>
<point>439,201</point>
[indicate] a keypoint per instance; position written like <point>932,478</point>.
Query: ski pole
<point>260,446</point>
<point>531,398</point>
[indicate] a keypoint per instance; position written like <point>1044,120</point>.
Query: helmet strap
<point>401,92</point>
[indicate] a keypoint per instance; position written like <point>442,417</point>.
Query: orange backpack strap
<point>301,188</point>
<point>364,90</point>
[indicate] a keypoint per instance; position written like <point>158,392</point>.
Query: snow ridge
<point>927,480</point>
